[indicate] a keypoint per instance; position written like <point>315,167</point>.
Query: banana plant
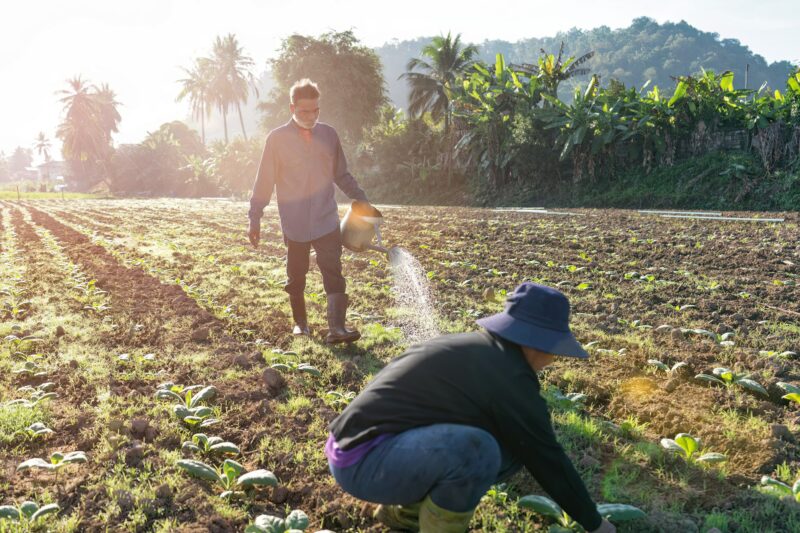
<point>729,378</point>
<point>202,443</point>
<point>294,522</point>
<point>782,488</point>
<point>231,476</point>
<point>28,512</point>
<point>615,512</point>
<point>190,409</point>
<point>687,447</point>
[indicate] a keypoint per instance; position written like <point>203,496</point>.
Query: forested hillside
<point>645,50</point>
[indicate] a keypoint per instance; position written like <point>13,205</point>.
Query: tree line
<point>496,123</point>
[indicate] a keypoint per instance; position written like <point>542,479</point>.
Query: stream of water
<point>412,294</point>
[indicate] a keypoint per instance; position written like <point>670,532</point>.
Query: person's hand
<point>254,233</point>
<point>605,527</point>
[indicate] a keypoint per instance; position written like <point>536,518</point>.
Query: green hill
<point>645,50</point>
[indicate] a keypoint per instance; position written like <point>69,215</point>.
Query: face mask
<point>305,125</point>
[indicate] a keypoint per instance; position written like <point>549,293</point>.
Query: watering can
<point>360,224</point>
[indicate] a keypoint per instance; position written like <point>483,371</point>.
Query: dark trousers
<point>329,260</point>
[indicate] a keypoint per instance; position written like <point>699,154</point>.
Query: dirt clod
<point>273,380</point>
<point>201,334</point>
<point>279,495</point>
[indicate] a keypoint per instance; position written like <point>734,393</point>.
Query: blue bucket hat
<point>538,317</point>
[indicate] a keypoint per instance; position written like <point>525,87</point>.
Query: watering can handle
<point>365,209</point>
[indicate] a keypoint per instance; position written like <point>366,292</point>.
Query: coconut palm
<point>42,147</point>
<point>108,117</point>
<point>80,131</point>
<point>233,77</point>
<point>90,117</point>
<point>432,77</point>
<point>197,86</point>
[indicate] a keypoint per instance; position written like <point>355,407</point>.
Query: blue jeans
<point>454,464</point>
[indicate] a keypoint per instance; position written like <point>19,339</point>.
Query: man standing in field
<point>302,160</point>
<point>454,415</point>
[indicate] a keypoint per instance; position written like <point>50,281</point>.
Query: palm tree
<point>197,86</point>
<point>443,61</point>
<point>108,117</point>
<point>42,147</point>
<point>81,134</point>
<point>233,78</point>
<point>90,118</point>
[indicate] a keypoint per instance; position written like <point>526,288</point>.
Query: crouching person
<point>454,415</point>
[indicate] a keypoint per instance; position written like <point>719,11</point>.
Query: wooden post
<point>18,197</point>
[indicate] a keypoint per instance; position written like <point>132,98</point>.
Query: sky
<point>138,47</point>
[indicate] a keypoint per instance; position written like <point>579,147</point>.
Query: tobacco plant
<point>292,366</point>
<point>30,368</point>
<point>37,429</point>
<point>662,366</point>
<point>35,395</point>
<point>230,477</point>
<point>792,392</point>
<point>729,378</point>
<point>782,488</point>
<point>296,521</point>
<point>687,447</point>
<point>57,461</point>
<point>28,512</point>
<point>615,512</point>
<point>190,411</point>
<point>202,443</point>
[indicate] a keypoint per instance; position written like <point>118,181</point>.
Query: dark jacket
<point>475,379</point>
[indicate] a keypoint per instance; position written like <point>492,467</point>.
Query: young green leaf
<point>620,512</point>
<point>198,469</point>
<point>541,505</point>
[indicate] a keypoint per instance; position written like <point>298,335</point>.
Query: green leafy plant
<point>35,430</point>
<point>669,370</point>
<point>615,512</point>
<point>722,340</point>
<point>340,398</point>
<point>782,488</point>
<point>792,391</point>
<point>30,368</point>
<point>57,461</point>
<point>292,366</point>
<point>18,346</point>
<point>688,447</point>
<point>28,512</point>
<point>35,395</point>
<point>202,443</point>
<point>729,378</point>
<point>190,410</point>
<point>231,477</point>
<point>294,522</point>
<point>568,401</point>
